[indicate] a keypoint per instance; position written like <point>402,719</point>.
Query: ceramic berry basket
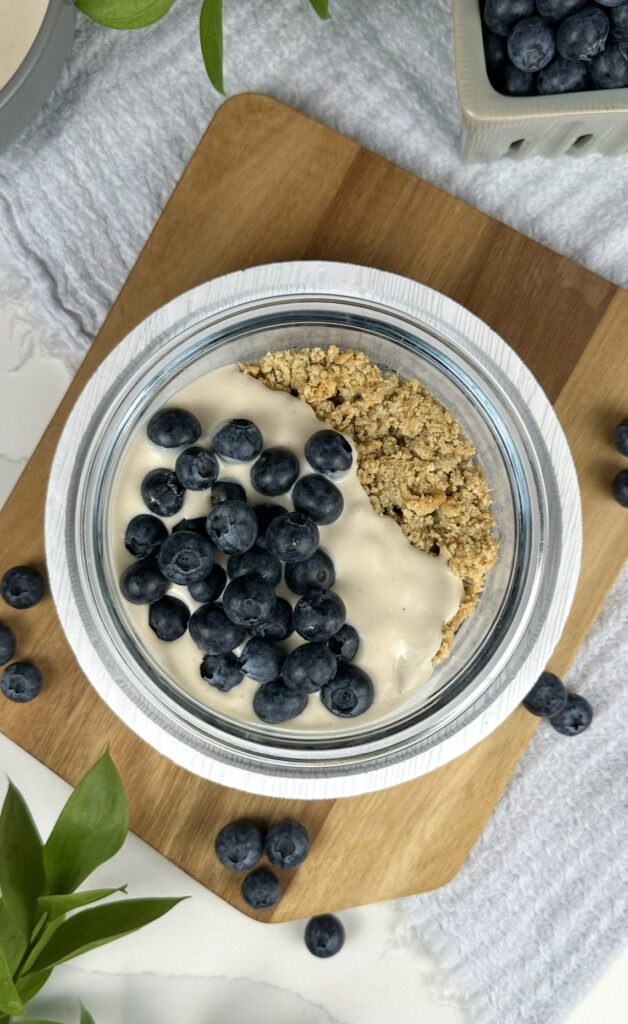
<point>496,126</point>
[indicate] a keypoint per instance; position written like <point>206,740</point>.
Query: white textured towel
<point>542,904</point>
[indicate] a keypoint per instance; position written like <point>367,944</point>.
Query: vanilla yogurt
<point>396,596</point>
<point>20,21</point>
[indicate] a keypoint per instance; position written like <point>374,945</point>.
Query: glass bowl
<point>497,653</point>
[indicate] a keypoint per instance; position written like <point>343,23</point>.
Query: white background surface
<point>226,966</point>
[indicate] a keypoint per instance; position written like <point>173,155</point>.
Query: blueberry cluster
<point>22,588</point>
<point>555,46</point>
<point>568,712</point>
<point>239,608</point>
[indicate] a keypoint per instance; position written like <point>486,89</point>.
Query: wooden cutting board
<point>268,184</point>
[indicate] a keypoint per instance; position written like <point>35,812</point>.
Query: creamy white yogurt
<point>396,596</point>
<point>20,21</point>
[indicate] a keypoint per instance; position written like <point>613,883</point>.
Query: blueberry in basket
<point>275,471</point>
<point>232,526</point>
<point>609,70</point>
<point>583,35</point>
<point>239,845</point>
<point>173,428</point>
<point>563,75</point>
<point>222,671</point>
<point>501,16</point>
<point>238,441</point>
<point>186,558</point>
<point>618,18</point>
<point>144,535</point>
<point>531,44</point>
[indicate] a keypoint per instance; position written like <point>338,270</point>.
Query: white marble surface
<point>226,966</point>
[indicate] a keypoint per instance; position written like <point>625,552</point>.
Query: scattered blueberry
<point>196,468</point>
<point>255,560</point>
<point>144,535</point>
<point>261,889</point>
<point>7,643</point>
<point>314,573</point>
<point>575,717</point>
<point>324,936</point>
<point>21,682</point>
<point>265,513</point>
<point>292,537</point>
<point>213,632</point>
<point>22,587</point>
<point>309,667</point>
<point>531,44</point>
<point>609,69</point>
<point>227,490</point>
<point>318,615</point>
<point>287,844</point>
<point>222,671</point>
<point>232,526</point>
<point>495,51</point>
<point>239,846</point>
<point>238,441</point>
<point>328,452</point>
<point>547,697</point>
<point>618,17</point>
<point>502,15</point>
<point>563,75</point>
<point>620,488</point>
<point>274,702</point>
<point>248,600</point>
<point>318,498</point>
<point>261,660</point>
<point>168,618</point>
<point>172,428</point>
<point>275,471</point>
<point>210,587</point>
<point>350,692</point>
<point>162,492</point>
<point>620,437</point>
<point>345,643</point>
<point>186,557</point>
<point>143,582</point>
<point>583,35</point>
<point>558,10</point>
<point>278,626</point>
<point>513,82</point>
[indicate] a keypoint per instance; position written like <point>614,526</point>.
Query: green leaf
<point>30,984</point>
<point>55,906</point>
<point>125,13</point>
<point>90,829</point>
<point>95,927</point>
<point>211,41</point>
<point>86,1017</point>
<point>10,1001</point>
<point>22,877</point>
<point>322,8</point>
<point>12,940</point>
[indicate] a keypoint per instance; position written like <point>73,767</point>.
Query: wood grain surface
<point>268,184</point>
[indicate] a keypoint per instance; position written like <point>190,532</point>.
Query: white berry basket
<point>496,126</point>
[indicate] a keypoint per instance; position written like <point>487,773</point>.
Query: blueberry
<point>309,667</point>
<point>21,682</point>
<point>350,693</point>
<point>210,587</point>
<point>22,587</point>
<point>186,557</point>
<point>547,697</point>
<point>232,526</point>
<point>278,626</point>
<point>222,671</point>
<point>238,441</point>
<point>314,573</point>
<point>318,615</point>
<point>318,498</point>
<point>143,582</point>
<point>563,75</point>
<point>495,51</point>
<point>144,535</point>
<point>618,17</point>
<point>292,537</point>
<point>287,844</point>
<point>172,428</point>
<point>192,525</point>
<point>265,513</point>
<point>261,660</point>
<point>609,70</point>
<point>275,471</point>
<point>620,437</point>
<point>324,936</point>
<point>583,35</point>
<point>162,492</point>
<point>213,632</point>
<point>558,10</point>
<point>239,846</point>
<point>510,81</point>
<point>248,600</point>
<point>502,15</point>
<point>619,487</point>
<point>7,643</point>
<point>261,889</point>
<point>328,452</point>
<point>344,644</point>
<point>575,717</point>
<point>274,702</point>
<point>227,490</point>
<point>196,468</point>
<point>255,560</point>
<point>531,44</point>
<point>168,618</point>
